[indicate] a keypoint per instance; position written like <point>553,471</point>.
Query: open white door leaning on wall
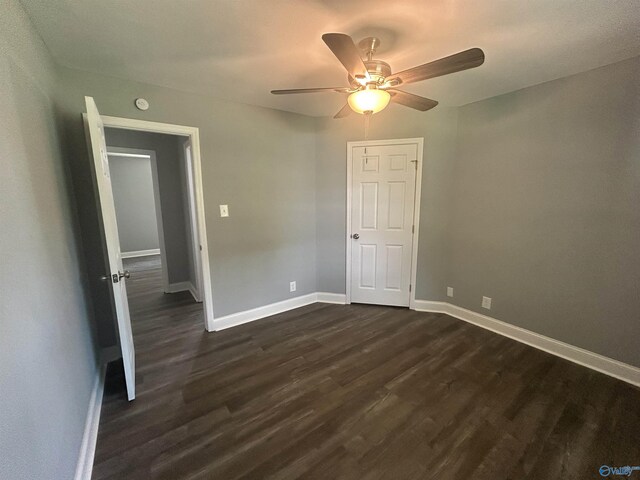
<point>192,202</point>
<point>116,275</point>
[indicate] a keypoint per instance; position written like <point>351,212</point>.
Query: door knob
<point>116,277</point>
<point>124,274</point>
<point>355,236</point>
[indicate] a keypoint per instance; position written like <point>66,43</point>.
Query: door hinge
<point>409,287</point>
<point>413,229</point>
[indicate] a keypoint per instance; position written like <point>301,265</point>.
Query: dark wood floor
<point>354,392</point>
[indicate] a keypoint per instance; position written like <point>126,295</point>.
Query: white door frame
<point>194,135</point>
<point>125,152</point>
<point>419,142</point>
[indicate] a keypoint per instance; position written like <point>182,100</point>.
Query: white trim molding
<point>432,307</point>
<point>228,321</point>
<point>140,253</point>
<point>90,437</point>
<point>194,293</point>
<point>325,297</point>
<point>600,363</point>
<point>234,319</point>
<point>178,287</point>
<point>182,287</point>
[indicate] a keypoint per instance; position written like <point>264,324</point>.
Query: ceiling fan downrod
<point>368,46</point>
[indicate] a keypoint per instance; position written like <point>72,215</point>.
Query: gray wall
<point>531,198</point>
<point>134,199</point>
<point>47,362</point>
<point>546,209</point>
<point>438,128</point>
<point>259,161</point>
<point>168,149</point>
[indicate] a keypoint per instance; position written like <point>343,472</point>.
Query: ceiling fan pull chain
<point>367,118</point>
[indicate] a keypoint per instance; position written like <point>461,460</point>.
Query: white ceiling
<point>241,49</point>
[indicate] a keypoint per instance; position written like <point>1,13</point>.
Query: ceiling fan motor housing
<point>378,71</point>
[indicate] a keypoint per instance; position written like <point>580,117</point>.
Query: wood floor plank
<point>351,392</point>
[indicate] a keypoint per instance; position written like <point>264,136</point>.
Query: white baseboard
<point>194,293</point>
<point>239,318</point>
<point>179,287</point>
<point>140,253</point>
<point>428,306</point>
<point>339,298</point>
<point>228,321</point>
<point>600,363</point>
<point>90,437</point>
<point>183,287</point>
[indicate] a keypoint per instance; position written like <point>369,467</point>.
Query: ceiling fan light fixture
<point>371,99</point>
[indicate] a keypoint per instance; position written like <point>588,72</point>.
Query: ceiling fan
<point>371,83</point>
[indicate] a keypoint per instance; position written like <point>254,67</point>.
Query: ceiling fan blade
<point>471,58</point>
<point>410,100</point>
<point>344,112</point>
<point>343,47</point>
<point>312,90</point>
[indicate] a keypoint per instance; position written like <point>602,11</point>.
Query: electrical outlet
<point>292,286</point>
<point>224,210</point>
<point>486,303</point>
<point>449,291</point>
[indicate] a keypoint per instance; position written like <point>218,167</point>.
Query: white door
<point>382,218</point>
<point>193,218</point>
<point>116,274</point>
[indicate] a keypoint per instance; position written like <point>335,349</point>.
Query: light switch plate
<point>449,291</point>
<point>224,210</point>
<point>292,286</point>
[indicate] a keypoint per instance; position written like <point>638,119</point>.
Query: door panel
<point>383,193</point>
<point>369,202</point>
<point>369,257</point>
<point>98,148</point>
<point>393,277</point>
<point>395,214</point>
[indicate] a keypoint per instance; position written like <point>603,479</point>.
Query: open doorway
<point>153,185</point>
<point>155,207</point>
<point>171,191</point>
<point>163,279</point>
<point>137,199</point>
